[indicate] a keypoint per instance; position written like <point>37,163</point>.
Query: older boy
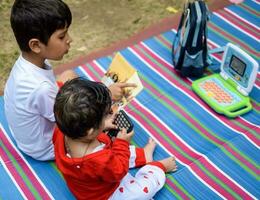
<point>41,31</point>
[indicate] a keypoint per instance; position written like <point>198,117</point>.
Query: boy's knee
<point>66,76</point>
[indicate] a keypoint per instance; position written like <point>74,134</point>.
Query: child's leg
<point>141,156</point>
<point>66,75</point>
<point>146,183</point>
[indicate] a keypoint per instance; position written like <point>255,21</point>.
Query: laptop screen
<point>237,65</point>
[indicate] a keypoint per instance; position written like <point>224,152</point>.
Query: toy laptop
<point>227,92</point>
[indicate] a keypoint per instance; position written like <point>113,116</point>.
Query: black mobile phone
<point>122,120</point>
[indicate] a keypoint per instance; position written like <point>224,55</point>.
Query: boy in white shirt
<point>41,31</point>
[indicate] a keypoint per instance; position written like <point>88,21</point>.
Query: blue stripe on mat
<point>197,148</point>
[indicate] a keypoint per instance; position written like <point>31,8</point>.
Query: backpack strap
<point>186,28</point>
<point>177,39</point>
<point>217,50</point>
<point>198,22</point>
<point>180,24</point>
<point>179,36</point>
<point>205,17</point>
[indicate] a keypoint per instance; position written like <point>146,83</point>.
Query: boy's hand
<point>118,90</point>
<point>124,135</point>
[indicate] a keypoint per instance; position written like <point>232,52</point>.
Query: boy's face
<point>58,45</point>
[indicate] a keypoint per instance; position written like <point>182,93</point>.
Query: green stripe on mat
<point>227,15</point>
<point>248,9</point>
<point>253,131</point>
<point>180,187</point>
<point>223,185</point>
<point>173,75</point>
<point>173,193</point>
<point>213,27</point>
<point>54,166</point>
<point>21,172</point>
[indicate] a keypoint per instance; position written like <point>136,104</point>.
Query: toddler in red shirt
<point>94,166</point>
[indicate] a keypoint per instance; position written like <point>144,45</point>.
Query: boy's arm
<point>43,100</point>
<point>118,90</point>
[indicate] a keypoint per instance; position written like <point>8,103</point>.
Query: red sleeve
<point>140,157</point>
<point>117,161</point>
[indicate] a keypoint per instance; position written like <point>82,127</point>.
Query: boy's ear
<point>35,45</point>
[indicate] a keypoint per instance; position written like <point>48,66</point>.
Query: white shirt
<point>29,97</point>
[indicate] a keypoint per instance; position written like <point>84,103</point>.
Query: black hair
<point>38,19</point>
<point>81,105</point>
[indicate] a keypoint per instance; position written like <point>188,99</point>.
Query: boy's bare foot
<point>149,149</point>
<point>169,163</point>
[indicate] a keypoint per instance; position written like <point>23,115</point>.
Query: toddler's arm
<point>116,161</point>
<point>117,164</point>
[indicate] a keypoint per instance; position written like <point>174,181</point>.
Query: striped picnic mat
<point>218,158</point>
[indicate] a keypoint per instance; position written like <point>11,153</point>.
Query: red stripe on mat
<point>13,171</point>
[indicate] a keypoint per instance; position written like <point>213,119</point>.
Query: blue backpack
<point>189,51</point>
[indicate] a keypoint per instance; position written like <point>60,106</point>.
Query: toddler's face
<point>58,44</point>
<point>106,121</point>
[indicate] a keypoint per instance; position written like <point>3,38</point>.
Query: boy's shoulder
<point>30,79</point>
<point>23,66</point>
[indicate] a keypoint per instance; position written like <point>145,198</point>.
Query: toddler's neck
<point>79,147</point>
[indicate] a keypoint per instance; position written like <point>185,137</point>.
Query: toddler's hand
<point>118,90</point>
<point>110,118</point>
<point>124,135</point>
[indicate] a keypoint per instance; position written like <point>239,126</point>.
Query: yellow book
<point>121,71</point>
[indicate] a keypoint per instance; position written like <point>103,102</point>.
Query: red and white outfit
<point>103,174</point>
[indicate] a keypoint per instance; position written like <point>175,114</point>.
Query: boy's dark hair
<point>81,105</point>
<point>38,19</point>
